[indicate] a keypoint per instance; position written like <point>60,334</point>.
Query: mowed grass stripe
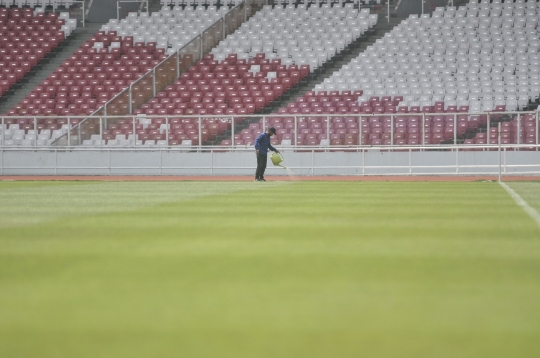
<point>25,203</point>
<point>529,191</point>
<point>303,270</point>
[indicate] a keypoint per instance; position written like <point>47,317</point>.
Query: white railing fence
<point>508,127</point>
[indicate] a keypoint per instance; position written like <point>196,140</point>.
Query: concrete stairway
<point>47,66</point>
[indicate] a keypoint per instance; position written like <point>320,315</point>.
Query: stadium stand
<point>26,37</point>
<point>118,54</point>
<point>482,57</point>
<point>431,80</point>
<point>246,72</point>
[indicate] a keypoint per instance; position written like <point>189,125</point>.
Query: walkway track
<point>379,178</point>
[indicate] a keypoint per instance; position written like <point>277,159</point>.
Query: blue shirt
<point>262,143</point>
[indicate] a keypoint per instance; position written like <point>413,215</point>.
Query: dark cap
<point>272,129</point>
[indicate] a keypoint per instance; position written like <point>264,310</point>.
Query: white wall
<point>175,162</point>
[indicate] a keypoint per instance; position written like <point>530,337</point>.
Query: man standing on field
<point>262,144</point>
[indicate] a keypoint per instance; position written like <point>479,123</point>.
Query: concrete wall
<point>175,162</point>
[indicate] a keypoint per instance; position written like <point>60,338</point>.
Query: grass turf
<point>308,269</point>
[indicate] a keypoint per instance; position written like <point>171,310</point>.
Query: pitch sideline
<point>522,203</point>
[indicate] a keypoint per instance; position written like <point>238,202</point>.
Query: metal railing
<point>203,128</point>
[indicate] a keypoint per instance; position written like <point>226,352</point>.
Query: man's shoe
<point>262,179</point>
<point>256,179</point>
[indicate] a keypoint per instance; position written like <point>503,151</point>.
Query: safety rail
<point>493,123</point>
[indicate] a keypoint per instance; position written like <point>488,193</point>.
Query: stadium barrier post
<point>388,10</point>
<point>519,129</point>
<point>134,130</point>
<point>160,161</point>
<point>499,139</point>
<point>488,128</point>
<point>200,133</point>
<point>79,142</point>
<point>457,160</point>
<point>392,129</point>
<point>264,124</point>
<point>69,132</point>
<point>423,124</point>
<point>232,131</point>
<point>363,161</point>
<point>504,160</point>
<point>328,129</point>
<point>537,130</point>
<point>455,129</point>
<point>295,131</point>
<point>55,160</point>
<point>35,131</point>
<point>360,130</point>
<point>118,11</point>
<point>3,131</point>
<point>167,130</point>
<point>110,161</point>
<point>422,7</point>
<point>100,130</point>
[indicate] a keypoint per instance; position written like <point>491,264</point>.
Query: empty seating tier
<point>96,72</point>
<point>302,35</point>
<point>25,39</point>
<point>483,56</point>
<point>169,28</point>
<point>118,55</point>
<point>246,72</point>
<point>212,88</point>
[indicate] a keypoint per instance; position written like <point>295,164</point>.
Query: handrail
<point>472,114</point>
<point>358,120</point>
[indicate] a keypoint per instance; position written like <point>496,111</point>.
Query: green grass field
<point>242,269</point>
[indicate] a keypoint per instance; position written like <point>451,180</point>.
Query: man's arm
<point>272,148</point>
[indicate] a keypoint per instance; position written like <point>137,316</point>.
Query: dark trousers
<point>261,166</point>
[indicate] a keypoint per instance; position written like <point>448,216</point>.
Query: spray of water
<point>277,159</point>
<point>289,172</point>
